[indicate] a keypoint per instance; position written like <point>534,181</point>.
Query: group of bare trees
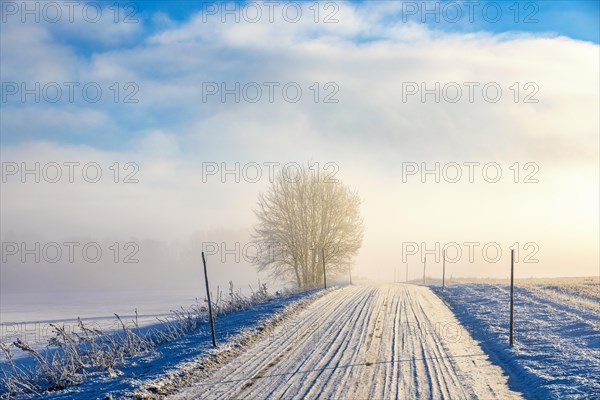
<point>308,223</point>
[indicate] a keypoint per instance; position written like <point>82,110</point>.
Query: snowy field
<point>557,332</point>
<point>172,361</point>
<point>369,341</point>
<point>28,316</point>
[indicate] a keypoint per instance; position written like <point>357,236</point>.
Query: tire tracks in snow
<point>359,342</point>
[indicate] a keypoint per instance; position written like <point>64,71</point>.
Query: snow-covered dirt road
<point>361,342</point>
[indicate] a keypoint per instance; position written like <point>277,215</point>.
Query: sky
<point>154,126</point>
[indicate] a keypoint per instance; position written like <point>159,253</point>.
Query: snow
<point>27,316</point>
<point>557,333</point>
<point>191,352</point>
<point>379,342</point>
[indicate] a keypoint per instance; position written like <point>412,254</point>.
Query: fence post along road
<point>512,298</point>
<point>443,269</point>
<point>210,313</point>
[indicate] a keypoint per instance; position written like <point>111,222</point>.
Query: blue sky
<point>578,19</point>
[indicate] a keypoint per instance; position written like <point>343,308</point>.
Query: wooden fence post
<point>350,272</point>
<point>210,313</point>
<point>512,298</point>
<point>324,274</point>
<point>443,269</point>
<point>424,263</point>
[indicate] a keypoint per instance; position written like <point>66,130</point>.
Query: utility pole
<point>324,274</point>
<point>443,269</point>
<point>210,314</point>
<point>512,298</point>
<point>407,272</point>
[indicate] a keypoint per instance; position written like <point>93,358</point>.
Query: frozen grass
<point>71,355</point>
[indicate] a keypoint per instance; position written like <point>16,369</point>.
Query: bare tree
<point>300,219</point>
